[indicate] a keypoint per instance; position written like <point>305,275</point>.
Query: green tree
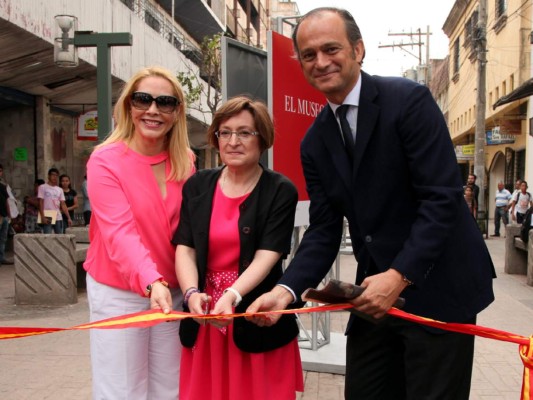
<point>193,83</point>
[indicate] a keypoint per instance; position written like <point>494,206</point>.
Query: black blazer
<point>266,222</point>
<point>403,199</point>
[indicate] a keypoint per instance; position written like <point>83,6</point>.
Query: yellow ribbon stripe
<point>526,354</point>
<point>153,317</point>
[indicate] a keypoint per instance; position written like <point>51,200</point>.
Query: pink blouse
<point>131,224</point>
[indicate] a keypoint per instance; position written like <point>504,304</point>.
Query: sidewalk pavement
<point>57,366</point>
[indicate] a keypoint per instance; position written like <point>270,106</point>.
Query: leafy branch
<point>207,83</point>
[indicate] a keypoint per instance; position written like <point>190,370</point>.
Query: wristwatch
<point>148,291</point>
<point>238,297</point>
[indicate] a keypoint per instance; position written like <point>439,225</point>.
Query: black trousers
<point>401,360</point>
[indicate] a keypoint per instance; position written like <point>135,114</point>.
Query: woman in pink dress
<point>235,228</point>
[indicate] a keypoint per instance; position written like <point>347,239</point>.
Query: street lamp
<point>65,55</point>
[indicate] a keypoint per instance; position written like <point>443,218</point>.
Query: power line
<point>423,70</point>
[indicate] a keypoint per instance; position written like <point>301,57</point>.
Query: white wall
<point>149,48</point>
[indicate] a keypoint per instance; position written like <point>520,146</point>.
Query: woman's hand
<point>160,297</point>
<point>198,303</point>
<point>223,306</point>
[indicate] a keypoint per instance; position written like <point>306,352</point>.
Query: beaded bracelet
<point>188,294</point>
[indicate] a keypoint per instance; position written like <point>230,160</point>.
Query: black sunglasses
<point>143,101</point>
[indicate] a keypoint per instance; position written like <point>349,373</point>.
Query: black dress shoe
<point>495,235</point>
<point>7,262</point>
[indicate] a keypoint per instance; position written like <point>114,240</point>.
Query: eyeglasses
<point>143,101</point>
<point>241,135</point>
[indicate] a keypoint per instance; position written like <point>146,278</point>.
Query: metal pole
<point>428,66</point>
<point>479,156</point>
<point>103,43</point>
<point>103,91</point>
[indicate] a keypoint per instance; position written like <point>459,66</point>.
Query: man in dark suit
<point>415,238</point>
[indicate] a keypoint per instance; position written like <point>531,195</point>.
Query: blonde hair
<point>177,144</point>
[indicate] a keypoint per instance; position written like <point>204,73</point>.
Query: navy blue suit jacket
<point>403,199</point>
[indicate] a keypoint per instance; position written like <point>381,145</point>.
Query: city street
<point>57,366</point>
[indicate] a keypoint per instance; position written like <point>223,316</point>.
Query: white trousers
<point>132,363</point>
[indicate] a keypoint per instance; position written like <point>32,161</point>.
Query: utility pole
<point>479,155</point>
<point>419,43</point>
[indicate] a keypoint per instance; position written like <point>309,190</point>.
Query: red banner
<point>295,105</point>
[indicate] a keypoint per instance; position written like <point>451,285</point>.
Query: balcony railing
<point>156,18</point>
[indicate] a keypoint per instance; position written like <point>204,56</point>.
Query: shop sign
<point>495,137</point>
<point>88,126</point>
<point>465,152</point>
<point>21,154</point>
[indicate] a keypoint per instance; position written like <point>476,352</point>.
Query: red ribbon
<point>153,317</point>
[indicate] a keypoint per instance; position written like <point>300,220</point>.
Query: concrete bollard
<point>515,259</point>
<point>81,233</point>
<point>82,245</point>
<point>45,269</point>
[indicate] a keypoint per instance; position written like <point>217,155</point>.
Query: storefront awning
<point>524,90</point>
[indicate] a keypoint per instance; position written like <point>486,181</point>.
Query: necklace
<point>254,180</point>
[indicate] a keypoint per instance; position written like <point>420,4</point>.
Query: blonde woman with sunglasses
<point>135,181</point>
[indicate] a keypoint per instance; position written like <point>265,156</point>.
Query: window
<point>129,4</point>
<point>471,36</point>
<point>456,62</point>
<point>152,21</point>
<point>520,164</point>
<point>501,8</point>
<point>471,29</point>
<point>501,15</point>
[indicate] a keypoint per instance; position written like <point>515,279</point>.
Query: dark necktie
<point>346,130</point>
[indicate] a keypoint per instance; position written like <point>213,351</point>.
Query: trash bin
<point>482,221</point>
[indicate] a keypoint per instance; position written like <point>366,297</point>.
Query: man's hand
<point>45,220</point>
<point>381,292</point>
<point>277,299</point>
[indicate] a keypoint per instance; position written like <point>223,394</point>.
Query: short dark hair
<point>53,170</point>
<point>352,29</point>
<point>262,120</point>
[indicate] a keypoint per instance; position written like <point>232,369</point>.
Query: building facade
<point>41,103</point>
<point>508,66</point>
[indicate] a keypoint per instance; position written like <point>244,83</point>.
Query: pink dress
<point>215,369</point>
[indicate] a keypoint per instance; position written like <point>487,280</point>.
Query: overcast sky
<point>378,18</point>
